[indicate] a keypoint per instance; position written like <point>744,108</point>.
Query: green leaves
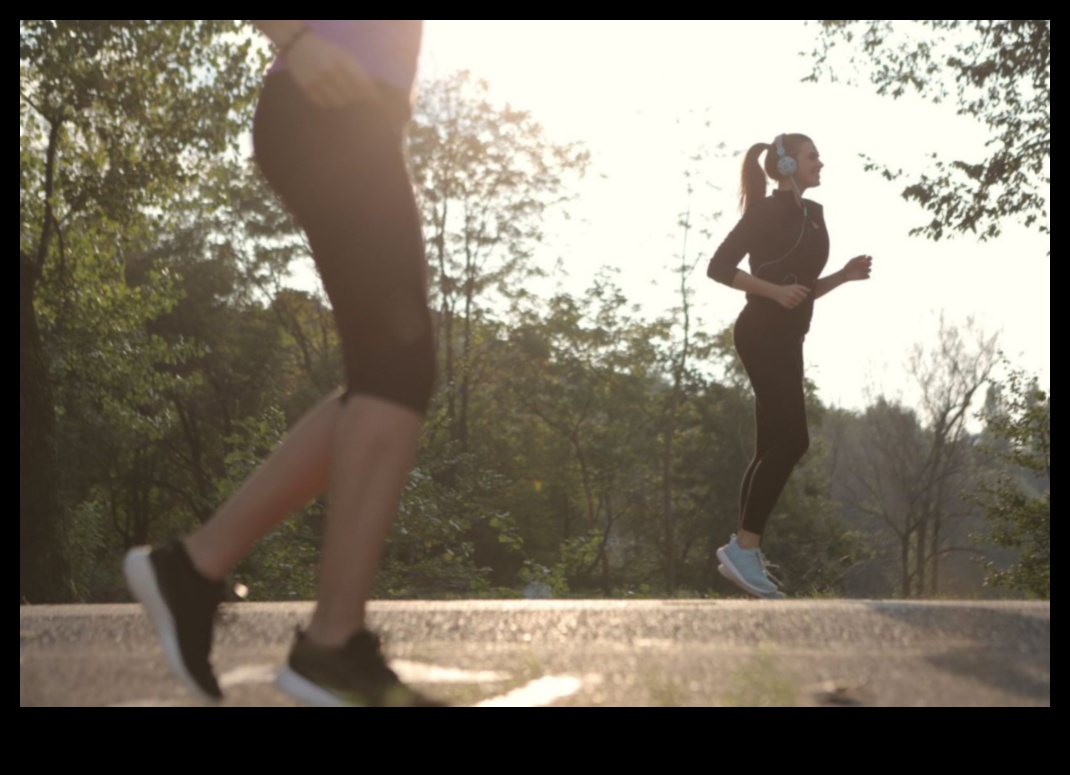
<point>1016,499</point>
<point>116,119</point>
<point>997,71</point>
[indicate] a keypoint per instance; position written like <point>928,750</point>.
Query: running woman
<point>328,138</point>
<point>785,237</point>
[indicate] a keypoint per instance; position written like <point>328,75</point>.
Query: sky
<point>644,96</point>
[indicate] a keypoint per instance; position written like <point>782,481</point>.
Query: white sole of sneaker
<point>141,580</point>
<point>778,595</point>
<point>730,572</point>
<point>290,682</point>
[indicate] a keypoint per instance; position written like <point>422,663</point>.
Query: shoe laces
<point>766,566</point>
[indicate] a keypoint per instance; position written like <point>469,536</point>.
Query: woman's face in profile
<point>810,164</point>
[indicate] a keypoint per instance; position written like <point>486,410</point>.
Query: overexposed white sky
<point>637,92</point>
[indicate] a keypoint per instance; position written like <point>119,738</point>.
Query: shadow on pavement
<point>1010,650</point>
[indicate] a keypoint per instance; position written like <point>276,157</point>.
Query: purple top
<point>387,48</point>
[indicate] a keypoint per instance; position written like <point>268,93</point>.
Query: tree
<point>681,343</point>
<point>585,370</point>
<point>995,70</point>
<point>1017,499</point>
<point>169,395</point>
<point>486,177</point>
<point>909,467</point>
<point>114,117</point>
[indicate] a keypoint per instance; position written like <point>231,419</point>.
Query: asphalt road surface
<point>582,653</point>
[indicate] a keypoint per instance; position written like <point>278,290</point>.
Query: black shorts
<point>342,173</point>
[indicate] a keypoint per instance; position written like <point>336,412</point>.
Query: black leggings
<point>773,358</point>
<point>342,173</point>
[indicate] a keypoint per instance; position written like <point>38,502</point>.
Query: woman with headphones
<point>785,237</point>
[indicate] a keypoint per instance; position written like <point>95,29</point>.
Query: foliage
<point>142,103</point>
<point>486,176</point>
<point>283,565</point>
<point>1017,499</point>
<point>997,71</point>
<point>585,371</point>
<point>434,549</point>
<point>115,118</point>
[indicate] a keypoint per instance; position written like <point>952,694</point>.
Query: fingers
<point>341,84</point>
<point>860,267</point>
<point>350,83</point>
<point>329,75</point>
<point>794,295</point>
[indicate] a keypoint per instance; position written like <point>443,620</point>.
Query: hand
<point>328,74</point>
<point>790,296</point>
<point>858,268</point>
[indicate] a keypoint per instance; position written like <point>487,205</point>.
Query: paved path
<point>583,653</point>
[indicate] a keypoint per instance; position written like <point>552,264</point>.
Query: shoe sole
<point>778,595</point>
<point>141,580</point>
<point>290,682</point>
<point>730,572</point>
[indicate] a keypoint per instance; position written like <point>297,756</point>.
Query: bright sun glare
<point>643,96</point>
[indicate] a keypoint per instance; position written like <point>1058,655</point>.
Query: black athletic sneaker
<point>182,605</point>
<point>354,675</point>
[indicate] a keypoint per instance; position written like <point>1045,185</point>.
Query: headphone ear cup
<point>785,164</point>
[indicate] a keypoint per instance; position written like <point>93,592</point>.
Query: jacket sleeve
<point>725,262</point>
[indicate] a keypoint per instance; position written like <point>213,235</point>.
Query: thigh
<point>772,358</point>
<point>342,173</point>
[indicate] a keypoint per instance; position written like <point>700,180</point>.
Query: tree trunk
<point>934,554</point>
<point>466,368</point>
<point>667,516</point>
<point>904,563</point>
<point>44,574</point>
<point>921,558</point>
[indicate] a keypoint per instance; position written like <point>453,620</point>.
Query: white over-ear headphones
<point>785,164</point>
